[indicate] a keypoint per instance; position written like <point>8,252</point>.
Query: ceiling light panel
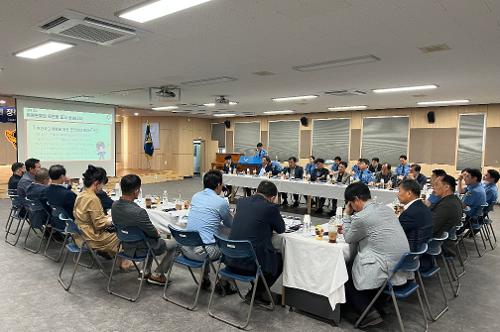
<point>47,48</point>
<point>151,10</point>
<point>337,63</point>
<point>294,98</point>
<point>406,88</point>
<point>279,112</point>
<point>443,102</point>
<point>165,108</point>
<point>348,108</point>
<point>223,115</point>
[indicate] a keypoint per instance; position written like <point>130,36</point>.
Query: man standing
<point>257,218</point>
<point>126,213</point>
<point>208,209</point>
<point>490,179</point>
<point>260,152</point>
<point>416,218</point>
<point>293,171</point>
<point>381,241</point>
<point>375,165</point>
<point>32,165</point>
<point>18,170</point>
<point>469,184</point>
<point>403,169</point>
<point>417,176</point>
<point>363,174</point>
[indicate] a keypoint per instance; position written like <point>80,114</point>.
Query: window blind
<point>470,141</point>
<point>283,139</point>
<point>246,137</point>
<point>331,138</point>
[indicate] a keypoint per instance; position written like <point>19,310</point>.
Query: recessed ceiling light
<point>209,105</point>
<point>279,112</point>
<point>348,108</point>
<point>136,114</point>
<point>165,108</point>
<point>295,98</point>
<point>406,88</point>
<point>443,102</point>
<point>2,102</point>
<point>151,10</point>
<point>44,49</point>
<point>223,115</point>
<point>337,63</point>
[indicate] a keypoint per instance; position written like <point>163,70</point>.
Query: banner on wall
<point>8,114</point>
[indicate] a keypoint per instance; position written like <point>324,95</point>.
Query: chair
<point>56,211</point>
<point>409,262</point>
<point>16,214</point>
<point>488,225</point>
<point>73,230</point>
<point>457,239</point>
<point>131,235</point>
<point>474,225</point>
<point>188,239</point>
<point>14,208</point>
<point>239,250</point>
<point>38,219</point>
<point>434,249</point>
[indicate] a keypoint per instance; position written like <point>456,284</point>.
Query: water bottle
<point>382,183</point>
<point>165,197</point>
<point>140,194</point>
<point>307,224</point>
<point>248,171</point>
<point>118,190</point>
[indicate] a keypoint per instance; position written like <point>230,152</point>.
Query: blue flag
<point>149,148</point>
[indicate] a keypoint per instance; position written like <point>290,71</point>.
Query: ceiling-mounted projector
<point>222,100</point>
<point>166,92</point>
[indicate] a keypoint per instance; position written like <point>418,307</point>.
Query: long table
<point>306,188</point>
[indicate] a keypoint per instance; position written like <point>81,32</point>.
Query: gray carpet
<point>33,300</point>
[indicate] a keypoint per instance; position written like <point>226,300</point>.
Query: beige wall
<point>446,117</point>
<point>176,143</point>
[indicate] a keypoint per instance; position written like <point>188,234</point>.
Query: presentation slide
<point>72,135</point>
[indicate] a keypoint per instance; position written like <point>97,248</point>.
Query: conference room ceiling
<point>238,38</point>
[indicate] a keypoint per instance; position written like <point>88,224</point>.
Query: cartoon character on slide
<point>101,150</point>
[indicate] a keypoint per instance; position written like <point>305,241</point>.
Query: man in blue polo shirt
<point>363,174</point>
<point>260,152</point>
<point>433,198</point>
<point>490,180</point>
<point>469,184</point>
<point>403,169</point>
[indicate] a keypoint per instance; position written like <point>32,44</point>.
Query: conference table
<point>306,188</point>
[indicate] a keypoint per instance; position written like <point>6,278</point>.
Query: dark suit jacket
<point>319,175</point>
<point>256,219</point>
<point>61,197</point>
<point>446,213</point>
<point>375,170</point>
<point>13,181</point>
<point>37,192</point>
<point>299,172</point>
<point>129,214</point>
<point>106,201</point>
<point>228,169</point>
<point>417,224</point>
<point>422,180</point>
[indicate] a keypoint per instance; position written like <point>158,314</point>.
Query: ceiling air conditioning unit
<point>79,26</point>
<point>345,92</point>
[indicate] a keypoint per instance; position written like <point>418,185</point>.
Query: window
<point>246,137</point>
<point>283,139</point>
<point>331,138</point>
<point>385,138</point>
<point>470,141</point>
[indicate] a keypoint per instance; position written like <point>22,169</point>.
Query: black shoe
<point>284,203</point>
<point>224,287</point>
<point>295,204</point>
<point>371,319</point>
<point>206,285</point>
<point>319,210</point>
<point>58,237</point>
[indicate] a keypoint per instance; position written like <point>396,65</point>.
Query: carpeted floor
<point>33,300</point>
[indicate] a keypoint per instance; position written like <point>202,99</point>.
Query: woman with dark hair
<point>90,217</point>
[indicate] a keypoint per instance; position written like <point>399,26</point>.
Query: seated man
<point>207,211</point>
<point>126,213</point>
<point>385,174</point>
<point>416,218</point>
<point>336,163</point>
<point>341,176</point>
<point>474,194</point>
<point>381,241</point>
<point>58,193</point>
<point>417,176</point>
<point>228,168</point>
<point>447,211</point>
<point>37,191</point>
<point>320,174</point>
<point>490,179</point>
<point>403,169</point>
<point>375,165</point>
<point>267,167</point>
<point>363,174</point>
<point>32,165</point>
<point>433,198</point>
<point>257,218</point>
<point>18,170</point>
<point>310,167</point>
<point>293,171</point>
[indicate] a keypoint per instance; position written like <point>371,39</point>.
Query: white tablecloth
<point>306,188</point>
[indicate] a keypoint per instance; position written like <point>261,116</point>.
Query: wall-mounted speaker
<point>431,117</point>
<point>304,121</point>
<point>227,123</point>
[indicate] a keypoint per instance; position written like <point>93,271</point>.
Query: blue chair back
<point>71,226</point>
<point>434,244</point>
<point>130,234</point>
<point>410,261</point>
<point>235,249</point>
<point>186,238</point>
